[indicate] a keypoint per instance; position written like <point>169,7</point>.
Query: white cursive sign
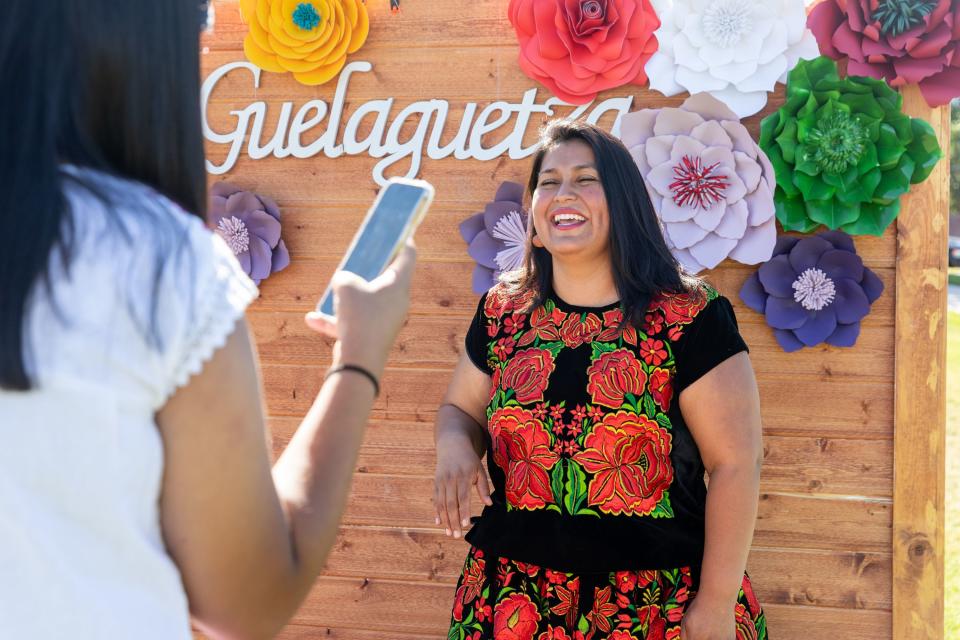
<point>384,139</point>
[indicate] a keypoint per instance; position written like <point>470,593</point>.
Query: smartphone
<point>394,216</point>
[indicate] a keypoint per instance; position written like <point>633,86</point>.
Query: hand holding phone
<point>393,218</point>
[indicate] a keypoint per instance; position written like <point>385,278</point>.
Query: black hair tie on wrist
<point>353,367</point>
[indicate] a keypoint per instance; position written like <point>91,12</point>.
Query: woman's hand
<point>458,469</point>
<point>369,315</point>
<point>707,619</point>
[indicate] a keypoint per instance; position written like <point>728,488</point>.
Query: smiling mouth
<point>567,220</point>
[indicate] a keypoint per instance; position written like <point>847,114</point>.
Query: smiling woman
<point>585,377</point>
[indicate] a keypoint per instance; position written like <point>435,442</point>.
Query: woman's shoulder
<point>502,299</point>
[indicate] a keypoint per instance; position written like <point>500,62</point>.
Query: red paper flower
<point>612,376</point>
<point>629,456</point>
<point>528,373</point>
<point>901,41</point>
<point>578,48</point>
<point>515,618</point>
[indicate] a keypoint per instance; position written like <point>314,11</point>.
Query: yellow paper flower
<point>310,38</point>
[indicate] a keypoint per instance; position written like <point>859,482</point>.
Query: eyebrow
<point>579,166</point>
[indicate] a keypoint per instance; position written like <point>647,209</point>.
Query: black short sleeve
<point>477,338</point>
<point>711,338</point>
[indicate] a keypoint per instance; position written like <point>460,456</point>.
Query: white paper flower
<point>710,184</point>
<point>736,50</point>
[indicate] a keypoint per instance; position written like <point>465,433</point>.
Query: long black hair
<point>106,85</point>
<point>642,264</point>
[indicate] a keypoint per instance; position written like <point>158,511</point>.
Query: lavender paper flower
<point>710,184</point>
<point>250,225</point>
<point>497,236</point>
<point>815,289</point>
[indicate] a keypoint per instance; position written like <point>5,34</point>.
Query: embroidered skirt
<point>501,599</point>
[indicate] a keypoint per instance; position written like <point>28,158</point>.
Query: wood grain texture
<point>920,407</point>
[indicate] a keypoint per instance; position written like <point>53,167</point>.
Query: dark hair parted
<point>105,85</point>
<point>642,264</point>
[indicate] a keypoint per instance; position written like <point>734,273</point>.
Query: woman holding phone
<point>135,477</point>
<point>602,383</point>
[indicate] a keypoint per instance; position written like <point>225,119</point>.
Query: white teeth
<point>567,217</point>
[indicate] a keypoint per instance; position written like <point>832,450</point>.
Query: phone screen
<point>374,248</point>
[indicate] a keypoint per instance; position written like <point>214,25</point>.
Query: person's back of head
<point>110,86</point>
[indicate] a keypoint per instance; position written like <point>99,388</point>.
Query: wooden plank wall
<point>822,556</point>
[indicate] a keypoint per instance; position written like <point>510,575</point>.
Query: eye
<point>587,179</point>
<point>547,181</point>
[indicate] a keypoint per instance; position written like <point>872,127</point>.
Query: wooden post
<point>920,388</point>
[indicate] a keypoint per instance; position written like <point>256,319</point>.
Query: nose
<point>565,191</point>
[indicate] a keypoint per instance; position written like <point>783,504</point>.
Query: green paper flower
<point>843,151</point>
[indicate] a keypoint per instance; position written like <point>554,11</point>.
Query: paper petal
<point>756,246</point>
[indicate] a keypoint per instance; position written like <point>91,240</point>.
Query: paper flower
<point>813,290</point>
<point>578,48</point>
<point>736,50</point>
<point>901,41</point>
<point>497,236</point>
<point>843,151</point>
<point>710,184</point>
<point>310,38</point>
<point>250,225</point>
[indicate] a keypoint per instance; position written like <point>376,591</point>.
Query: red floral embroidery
<point>577,330</point>
<point>527,374</point>
<point>543,325</point>
<point>746,629</point>
<point>620,634</point>
<point>513,323</point>
<point>569,597</point>
<point>629,456</point>
<point>612,376</point>
<point>470,586</point>
<point>602,610</point>
<point>554,633</point>
<point>653,323</point>
<point>626,581</point>
<point>515,618</point>
<point>650,617</point>
<point>494,382</point>
<point>675,333</point>
<point>679,308</point>
<point>661,388</point>
<point>652,351</point>
<point>504,347</point>
<point>611,320</point>
<point>523,451</point>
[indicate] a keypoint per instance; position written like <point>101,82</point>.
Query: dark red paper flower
<point>901,41</point>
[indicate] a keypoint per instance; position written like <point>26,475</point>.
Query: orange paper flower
<point>310,38</point>
<point>578,48</point>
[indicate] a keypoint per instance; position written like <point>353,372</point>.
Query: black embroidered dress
<point>597,523</point>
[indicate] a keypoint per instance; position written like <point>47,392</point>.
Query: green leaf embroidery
<point>664,421</point>
<point>649,408</point>
<point>600,348</point>
<point>556,482</point>
<point>664,509</point>
<point>576,487</point>
<point>553,347</point>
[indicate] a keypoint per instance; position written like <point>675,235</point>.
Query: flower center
<point>839,141</point>
<point>696,185</point>
<point>591,9</point>
<point>813,290</point>
<point>306,17</point>
<point>511,229</point>
<point>725,23</point>
<point>897,16</point>
<point>235,233</point>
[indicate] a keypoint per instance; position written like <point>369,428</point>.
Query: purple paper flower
<point>497,236</point>
<point>814,289</point>
<point>250,225</point>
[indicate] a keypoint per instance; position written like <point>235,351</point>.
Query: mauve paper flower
<point>736,50</point>
<point>578,48</point>
<point>497,236</point>
<point>843,151</point>
<point>815,289</point>
<point>901,41</point>
<point>710,184</point>
<point>250,225</point>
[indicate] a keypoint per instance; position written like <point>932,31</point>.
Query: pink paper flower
<point>250,225</point>
<point>901,41</point>
<point>578,48</point>
<point>710,184</point>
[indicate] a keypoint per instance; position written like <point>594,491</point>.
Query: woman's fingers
<point>483,487</point>
<point>463,504</point>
